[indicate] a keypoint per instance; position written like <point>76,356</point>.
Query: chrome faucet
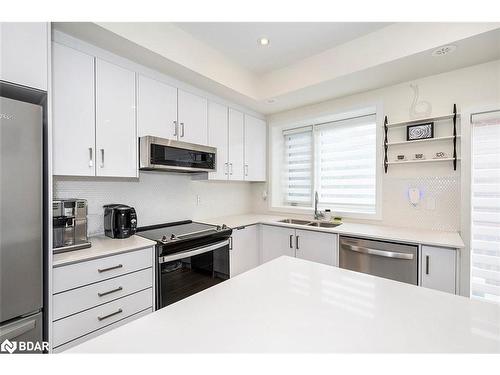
<point>318,215</point>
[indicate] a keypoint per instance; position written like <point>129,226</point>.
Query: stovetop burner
<point>173,237</point>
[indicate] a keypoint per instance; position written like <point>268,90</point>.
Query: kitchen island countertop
<point>293,305</point>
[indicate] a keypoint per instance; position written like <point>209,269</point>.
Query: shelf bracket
<point>454,137</point>
<point>385,145</point>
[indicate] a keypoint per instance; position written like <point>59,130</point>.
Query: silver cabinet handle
<point>119,311</point>
<point>246,169</point>
<point>101,270</point>
<point>225,169</point>
<point>381,253</point>
<point>297,242</point>
<point>427,264</point>
<point>102,158</point>
<point>182,129</point>
<point>290,243</point>
<point>175,128</point>
<point>231,169</point>
<point>230,243</point>
<point>110,292</point>
<point>91,157</point>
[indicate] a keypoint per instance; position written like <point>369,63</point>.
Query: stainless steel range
<point>190,256</point>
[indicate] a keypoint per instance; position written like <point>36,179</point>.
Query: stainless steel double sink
<point>309,223</point>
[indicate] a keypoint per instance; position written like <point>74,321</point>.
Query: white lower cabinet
<point>316,246</point>
<point>320,247</point>
<point>277,241</point>
<point>244,254</point>
<point>438,268</point>
<point>93,296</point>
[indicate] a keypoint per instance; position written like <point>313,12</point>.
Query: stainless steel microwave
<point>175,156</point>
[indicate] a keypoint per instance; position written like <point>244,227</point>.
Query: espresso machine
<point>69,225</point>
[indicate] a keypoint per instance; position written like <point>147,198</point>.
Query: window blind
<point>298,167</point>
<point>485,204</point>
<point>346,165</point>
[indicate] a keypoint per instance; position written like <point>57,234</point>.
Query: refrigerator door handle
<point>17,330</point>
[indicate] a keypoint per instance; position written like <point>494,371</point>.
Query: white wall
<point>157,197</point>
<point>469,88</point>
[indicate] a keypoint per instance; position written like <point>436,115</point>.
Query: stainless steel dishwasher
<point>385,259</point>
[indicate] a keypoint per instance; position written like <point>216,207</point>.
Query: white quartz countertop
<point>382,232</point>
<point>101,246</point>
<point>293,305</point>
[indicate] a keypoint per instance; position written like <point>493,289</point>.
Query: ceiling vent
<point>444,50</point>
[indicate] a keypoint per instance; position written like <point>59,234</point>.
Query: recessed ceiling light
<point>270,101</point>
<point>263,41</point>
<point>444,50</point>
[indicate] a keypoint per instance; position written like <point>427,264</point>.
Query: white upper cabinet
<point>193,118</point>
<point>236,144</point>
<point>255,149</point>
<point>156,108</point>
<point>218,138</point>
<point>116,140</point>
<point>24,53</point>
<point>438,267</point>
<point>73,129</point>
<point>316,246</point>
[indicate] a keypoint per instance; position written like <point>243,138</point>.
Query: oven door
<point>175,156</point>
<point>183,274</point>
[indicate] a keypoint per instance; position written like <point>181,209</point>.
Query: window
<point>485,204</point>
<point>338,160</point>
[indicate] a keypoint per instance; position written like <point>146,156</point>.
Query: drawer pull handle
<point>109,292</point>
<point>101,270</point>
<point>119,311</point>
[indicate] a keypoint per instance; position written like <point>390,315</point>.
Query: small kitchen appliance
<point>69,222</point>
<point>120,221</point>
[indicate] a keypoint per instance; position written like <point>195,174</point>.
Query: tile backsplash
<point>157,197</point>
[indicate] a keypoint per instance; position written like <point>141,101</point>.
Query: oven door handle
<point>381,253</point>
<point>197,251</point>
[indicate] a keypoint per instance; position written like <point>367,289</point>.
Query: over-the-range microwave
<point>175,156</point>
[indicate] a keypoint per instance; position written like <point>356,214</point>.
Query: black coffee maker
<point>120,220</point>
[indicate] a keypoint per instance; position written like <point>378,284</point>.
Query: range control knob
<point>218,228</point>
<point>173,237</point>
<point>224,226</point>
<point>164,239</point>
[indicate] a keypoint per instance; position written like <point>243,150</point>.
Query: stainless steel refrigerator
<point>21,221</point>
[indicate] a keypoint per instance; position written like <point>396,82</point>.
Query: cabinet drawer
<point>84,273</point>
<point>76,300</point>
<point>77,325</point>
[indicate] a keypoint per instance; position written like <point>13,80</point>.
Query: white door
<point>193,118</point>
<point>315,246</point>
<point>244,254</point>
<point>24,53</point>
<point>437,266</point>
<point>156,108</point>
<point>236,145</point>
<point>255,149</point>
<point>277,241</point>
<point>116,140</point>
<point>73,118</point>
<point>218,138</point>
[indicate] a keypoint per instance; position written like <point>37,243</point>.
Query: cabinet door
<point>236,145</point>
<point>73,132</point>
<point>277,241</point>
<point>316,246</point>
<point>156,108</point>
<point>218,138</point>
<point>193,118</point>
<point>116,140</point>
<point>438,268</point>
<point>244,254</point>
<point>24,53</point>
<point>255,149</point>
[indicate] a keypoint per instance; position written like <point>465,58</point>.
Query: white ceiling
<point>290,41</point>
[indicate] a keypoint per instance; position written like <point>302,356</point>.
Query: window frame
<point>276,161</point>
